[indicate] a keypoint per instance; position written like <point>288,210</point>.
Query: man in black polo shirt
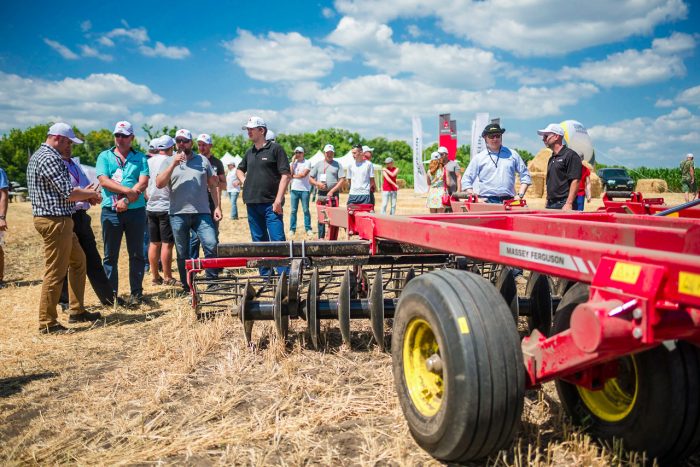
<point>563,169</point>
<point>264,173</point>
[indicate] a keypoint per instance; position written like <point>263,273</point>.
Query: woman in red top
<point>584,187</point>
<point>389,186</point>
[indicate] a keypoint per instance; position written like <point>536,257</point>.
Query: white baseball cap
<point>435,156</point>
<point>552,128</point>
<point>254,122</point>
<point>270,135</point>
<point>64,129</point>
<point>442,150</point>
<point>165,142</point>
<point>388,160</point>
<point>204,138</point>
<point>328,147</point>
<point>123,128</point>
<point>183,133</point>
<point>153,145</point>
<point>690,155</point>
<point>367,149</point>
<point>298,149</point>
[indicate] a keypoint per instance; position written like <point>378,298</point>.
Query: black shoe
<point>110,302</point>
<point>55,329</point>
<point>134,301</point>
<point>83,317</point>
<point>64,306</point>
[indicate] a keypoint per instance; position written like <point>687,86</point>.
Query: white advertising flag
<point>420,184</point>
<point>478,125</point>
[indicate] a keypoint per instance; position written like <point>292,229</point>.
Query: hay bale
<point>652,185</point>
<point>539,162</point>
<point>536,190</point>
<point>596,186</point>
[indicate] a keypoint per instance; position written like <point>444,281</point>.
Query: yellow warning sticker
<point>689,283</point>
<point>626,272</point>
<point>463,325</point>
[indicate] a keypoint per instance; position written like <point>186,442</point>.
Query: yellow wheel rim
<point>423,380</point>
<point>618,396</point>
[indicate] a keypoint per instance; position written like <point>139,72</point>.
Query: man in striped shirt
<point>53,198</point>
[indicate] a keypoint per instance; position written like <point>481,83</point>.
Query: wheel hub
<point>423,367</point>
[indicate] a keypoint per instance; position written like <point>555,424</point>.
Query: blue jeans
<point>266,225</point>
<point>131,223</point>
<point>389,197</point>
<point>303,196</point>
<point>578,202</point>
<point>146,242</point>
<point>203,226</point>
<point>234,205</point>
<point>194,240</point>
<point>497,199</point>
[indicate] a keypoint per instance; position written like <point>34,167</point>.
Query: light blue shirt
<point>109,164</point>
<point>4,183</point>
<point>493,174</point>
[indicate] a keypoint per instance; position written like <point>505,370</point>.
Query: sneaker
<point>134,301</point>
<point>55,329</point>
<point>110,302</point>
<point>84,317</point>
<point>310,235</point>
<point>291,234</point>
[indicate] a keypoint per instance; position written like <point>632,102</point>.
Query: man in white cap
<point>160,232</point>
<point>190,176</point>
<point>299,192</point>
<point>491,173</point>
<point>123,174</point>
<point>688,185</point>
<point>204,145</point>
<point>264,173</point>
<point>361,175</point>
<point>367,153</point>
<point>4,201</point>
<point>563,169</point>
<point>452,168</point>
<point>328,177</point>
<point>53,198</point>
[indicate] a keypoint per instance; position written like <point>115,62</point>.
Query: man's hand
<point>121,205</point>
<point>132,195</point>
<point>567,207</point>
<point>277,207</point>
<point>179,158</point>
<point>3,225</point>
<point>322,186</point>
<point>217,214</point>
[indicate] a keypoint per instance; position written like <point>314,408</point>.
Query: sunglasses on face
<point>120,135</point>
<point>497,136</point>
<point>182,141</point>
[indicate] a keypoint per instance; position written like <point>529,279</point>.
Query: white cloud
<point>106,41</point>
<point>690,96</point>
<point>327,13</point>
<point>63,51</point>
<point>647,140</point>
<point>162,50</point>
<point>664,60</point>
<point>209,122</point>
<point>445,65</point>
<point>414,31</point>
<point>137,35</point>
<point>279,56</point>
<point>86,25</point>
<point>88,51</point>
<point>93,102</point>
<point>664,103</point>
<point>543,28</point>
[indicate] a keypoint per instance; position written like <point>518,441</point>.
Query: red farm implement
<point>610,311</point>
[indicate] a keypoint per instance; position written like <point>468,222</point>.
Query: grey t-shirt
<point>452,169</point>
<point>331,172</point>
<point>189,193</point>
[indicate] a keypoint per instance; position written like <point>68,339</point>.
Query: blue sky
<point>628,70</point>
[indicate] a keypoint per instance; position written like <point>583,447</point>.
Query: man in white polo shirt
<point>300,188</point>
<point>361,176</point>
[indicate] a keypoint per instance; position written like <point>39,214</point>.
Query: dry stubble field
<point>153,385</point>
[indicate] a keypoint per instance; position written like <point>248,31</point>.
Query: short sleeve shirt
<point>452,169</point>
<point>4,182</point>
<point>686,165</point>
<point>328,173</point>
<point>562,169</point>
<point>189,193</point>
<point>158,198</point>
<point>127,174</point>
<point>298,168</point>
<point>264,168</point>
<point>360,175</point>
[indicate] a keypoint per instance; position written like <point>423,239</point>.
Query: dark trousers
<point>129,224</point>
<point>556,203</point>
<point>93,261</point>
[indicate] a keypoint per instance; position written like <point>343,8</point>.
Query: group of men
<point>491,173</point>
<point>175,194</point>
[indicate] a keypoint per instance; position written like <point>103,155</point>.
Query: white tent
<point>229,159</point>
<point>313,160</point>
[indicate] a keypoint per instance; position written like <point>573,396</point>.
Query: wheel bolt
<point>434,363</point>
<point>637,313</point>
<point>637,333</point>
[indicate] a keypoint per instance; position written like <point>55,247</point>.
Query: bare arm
<point>163,178</point>
<point>110,185</point>
<point>83,194</point>
<point>336,187</point>
<point>4,199</point>
<point>241,176</point>
<point>573,188</point>
<point>588,188</point>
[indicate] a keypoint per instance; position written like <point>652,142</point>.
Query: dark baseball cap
<point>493,129</point>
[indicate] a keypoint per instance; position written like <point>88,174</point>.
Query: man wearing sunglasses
<point>491,173</point>
<point>123,173</point>
<point>563,169</point>
<point>190,177</point>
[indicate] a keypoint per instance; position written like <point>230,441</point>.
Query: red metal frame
<point>637,204</point>
<point>472,204</point>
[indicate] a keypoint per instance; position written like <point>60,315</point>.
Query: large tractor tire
<point>458,367</point>
<point>653,404</point>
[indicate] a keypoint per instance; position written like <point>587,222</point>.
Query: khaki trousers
<point>61,250</point>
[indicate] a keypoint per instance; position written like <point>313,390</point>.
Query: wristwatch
<point>521,195</point>
<point>2,218</point>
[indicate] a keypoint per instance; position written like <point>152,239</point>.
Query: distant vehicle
<point>616,179</point>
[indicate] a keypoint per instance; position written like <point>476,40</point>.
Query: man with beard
<point>328,177</point>
<point>190,176</point>
<point>563,169</point>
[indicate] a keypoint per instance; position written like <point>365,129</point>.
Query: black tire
<point>659,410</point>
<point>539,292</point>
<point>478,394</point>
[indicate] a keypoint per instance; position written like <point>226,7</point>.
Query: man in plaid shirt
<point>53,198</point>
